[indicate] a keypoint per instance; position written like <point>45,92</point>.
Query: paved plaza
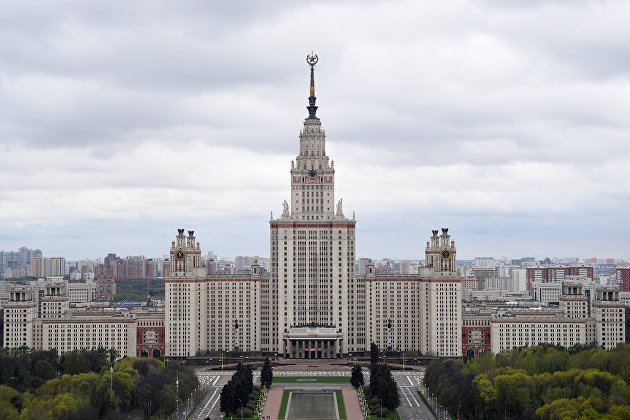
<point>411,405</point>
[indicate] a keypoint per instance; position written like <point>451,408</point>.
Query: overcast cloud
<point>505,121</point>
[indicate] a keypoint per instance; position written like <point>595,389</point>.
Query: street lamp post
<point>238,345</point>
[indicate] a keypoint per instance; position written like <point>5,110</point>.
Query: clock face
<point>312,173</point>
<point>446,253</point>
<point>179,254</point>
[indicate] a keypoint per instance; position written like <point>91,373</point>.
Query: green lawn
<point>328,379</point>
<point>283,405</point>
<point>341,406</point>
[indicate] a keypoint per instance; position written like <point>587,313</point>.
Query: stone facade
<point>312,304</point>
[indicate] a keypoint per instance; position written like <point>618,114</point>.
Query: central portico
<point>313,342</point>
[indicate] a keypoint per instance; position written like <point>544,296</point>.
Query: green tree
<point>389,396</point>
<point>75,362</point>
<point>44,370</point>
<point>8,396</point>
<point>227,399</point>
<point>374,354</point>
<point>266,374</point>
<point>357,376</point>
<point>383,387</point>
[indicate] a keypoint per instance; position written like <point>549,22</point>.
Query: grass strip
<point>283,405</point>
<point>307,379</point>
<point>341,406</point>
<point>391,415</point>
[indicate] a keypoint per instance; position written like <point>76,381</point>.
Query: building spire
<point>312,59</point>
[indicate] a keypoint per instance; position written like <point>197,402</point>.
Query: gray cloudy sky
<point>506,121</point>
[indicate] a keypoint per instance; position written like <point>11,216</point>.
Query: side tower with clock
<point>185,256</point>
<point>183,309</point>
<point>440,252</point>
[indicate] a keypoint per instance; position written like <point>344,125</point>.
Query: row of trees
<point>25,369</point>
<point>138,289</point>
<point>382,393</point>
<point>84,387</point>
<point>542,381</point>
<point>236,393</point>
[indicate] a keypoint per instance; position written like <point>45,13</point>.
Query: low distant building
<point>513,332</point>
<point>86,330</point>
<point>610,318</point>
<point>105,287</point>
<point>623,278</point>
<point>586,314</point>
<point>547,292</point>
<point>150,336</point>
<point>39,316</point>
<point>475,334</point>
<point>19,313</point>
<point>82,292</point>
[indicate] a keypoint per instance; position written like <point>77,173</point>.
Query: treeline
<point>239,394</point>
<point>139,289</point>
<point>25,369</point>
<point>536,382</point>
<point>40,385</point>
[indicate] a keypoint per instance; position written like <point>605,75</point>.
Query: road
<point>411,405</point>
<point>209,406</point>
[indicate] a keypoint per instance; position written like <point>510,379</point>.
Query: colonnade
<point>315,348</point>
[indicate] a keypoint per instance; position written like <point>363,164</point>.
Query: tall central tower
<point>312,173</point>
<point>312,255</point>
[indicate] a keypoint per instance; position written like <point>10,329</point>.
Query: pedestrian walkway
<point>351,401</point>
<point>272,406</point>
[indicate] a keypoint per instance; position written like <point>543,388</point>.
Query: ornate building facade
<point>312,304</point>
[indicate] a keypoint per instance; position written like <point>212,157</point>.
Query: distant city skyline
<point>374,258</point>
<point>485,117</point>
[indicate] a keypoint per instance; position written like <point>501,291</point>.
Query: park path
<point>272,406</point>
<point>351,401</point>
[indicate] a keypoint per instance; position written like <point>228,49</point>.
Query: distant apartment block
<point>48,267</point>
<point>550,273</point>
<point>623,278</point>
